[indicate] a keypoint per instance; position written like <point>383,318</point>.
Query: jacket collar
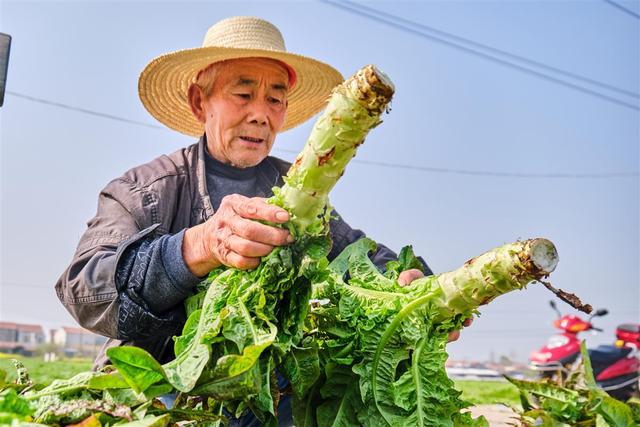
<point>201,179</point>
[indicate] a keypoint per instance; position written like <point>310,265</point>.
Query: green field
<point>486,392</point>
<point>476,392</point>
<point>42,372</point>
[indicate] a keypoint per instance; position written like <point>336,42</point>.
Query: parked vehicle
<point>616,367</point>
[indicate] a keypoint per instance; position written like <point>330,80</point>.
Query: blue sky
<point>453,112</point>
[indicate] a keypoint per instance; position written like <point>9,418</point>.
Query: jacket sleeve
<point>343,235</point>
<point>123,281</point>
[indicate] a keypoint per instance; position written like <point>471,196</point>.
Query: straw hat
<point>164,82</point>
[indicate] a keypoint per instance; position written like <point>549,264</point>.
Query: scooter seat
<point>604,355</point>
<point>634,328</point>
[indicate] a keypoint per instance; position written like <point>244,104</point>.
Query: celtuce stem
<point>354,108</point>
<point>492,274</point>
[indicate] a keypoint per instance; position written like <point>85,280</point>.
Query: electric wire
<point>345,5</point>
<point>499,174</point>
<point>499,51</point>
<point>361,161</point>
<point>83,110</point>
<point>622,8</point>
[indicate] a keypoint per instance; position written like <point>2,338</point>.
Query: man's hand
<point>409,276</point>
<point>232,236</point>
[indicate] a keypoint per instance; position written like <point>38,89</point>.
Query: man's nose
<point>259,113</point>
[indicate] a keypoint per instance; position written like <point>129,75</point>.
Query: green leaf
<point>150,421</point>
<point>123,396</point>
<point>141,411</point>
<point>65,387</point>
<point>363,273</point>
<point>304,410</point>
<point>616,413</point>
<point>243,385</point>
<point>158,390</point>
<point>551,391</point>
<point>408,260</point>
<point>71,411</point>
<point>541,418</point>
<point>139,369</point>
<point>561,403</point>
<point>240,327</point>
<point>104,381</point>
<point>200,417</point>
<point>423,391</point>
<point>188,333</point>
<point>601,422</point>
<point>634,404</point>
<point>340,411</point>
<point>587,370</point>
<point>14,406</point>
<point>340,264</point>
<point>268,394</point>
<point>234,376</point>
<point>341,397</point>
<point>302,368</point>
<point>184,371</point>
<point>129,397</point>
<point>194,303</point>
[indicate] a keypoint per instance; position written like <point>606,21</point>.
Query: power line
<point>361,161</point>
<point>500,51</point>
<point>390,20</point>
<point>622,8</point>
<point>487,173</point>
<point>501,174</point>
<point>83,110</point>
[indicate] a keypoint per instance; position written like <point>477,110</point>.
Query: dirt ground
<point>497,415</point>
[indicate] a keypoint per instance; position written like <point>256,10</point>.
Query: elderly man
<point>161,227</point>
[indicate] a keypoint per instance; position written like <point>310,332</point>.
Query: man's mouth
<point>252,139</point>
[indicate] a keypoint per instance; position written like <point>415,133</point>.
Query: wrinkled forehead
<point>235,68</point>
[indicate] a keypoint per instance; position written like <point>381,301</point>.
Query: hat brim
<point>164,83</point>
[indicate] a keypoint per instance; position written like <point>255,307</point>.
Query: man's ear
<point>196,99</point>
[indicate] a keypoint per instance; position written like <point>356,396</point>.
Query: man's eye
<point>275,101</point>
<point>243,95</point>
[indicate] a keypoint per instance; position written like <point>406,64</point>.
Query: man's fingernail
<point>282,216</point>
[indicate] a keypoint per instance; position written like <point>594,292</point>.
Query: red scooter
<point>615,367</point>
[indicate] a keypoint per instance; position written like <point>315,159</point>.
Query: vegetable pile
<point>382,346</point>
<point>356,347</point>
<point>576,402</point>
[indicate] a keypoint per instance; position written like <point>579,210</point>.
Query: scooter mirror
<point>601,312</point>
<point>553,305</point>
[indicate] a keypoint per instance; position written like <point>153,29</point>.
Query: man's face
<point>245,110</point>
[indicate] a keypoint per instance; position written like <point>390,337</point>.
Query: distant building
<point>20,338</point>
<point>77,341</point>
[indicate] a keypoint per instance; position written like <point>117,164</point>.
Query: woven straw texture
<point>164,82</point>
